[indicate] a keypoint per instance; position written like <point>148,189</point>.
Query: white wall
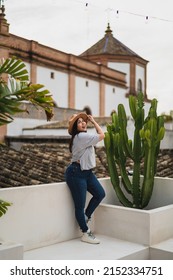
<point>87,95</point>
<point>48,132</point>
<point>44,214</point>
<point>112,99</point>
<point>167,142</point>
<point>28,68</point>
<point>57,86</point>
<point>16,127</point>
<point>140,72</point>
<point>40,215</point>
<point>123,67</point>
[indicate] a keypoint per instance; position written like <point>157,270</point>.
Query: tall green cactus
<point>148,133</point>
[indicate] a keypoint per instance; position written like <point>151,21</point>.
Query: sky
<point>72,26</point>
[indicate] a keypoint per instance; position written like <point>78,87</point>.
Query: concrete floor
<point>108,249</point>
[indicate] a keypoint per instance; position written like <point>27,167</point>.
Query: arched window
<point>139,86</point>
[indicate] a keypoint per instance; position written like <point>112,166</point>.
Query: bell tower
<point>4,26</point>
<point>4,53</point>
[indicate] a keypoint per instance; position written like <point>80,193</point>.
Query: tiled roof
<point>109,45</point>
<point>46,163</point>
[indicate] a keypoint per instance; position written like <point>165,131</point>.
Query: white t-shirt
<point>83,149</point>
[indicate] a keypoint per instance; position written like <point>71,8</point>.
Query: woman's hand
<point>97,127</point>
<point>91,119</point>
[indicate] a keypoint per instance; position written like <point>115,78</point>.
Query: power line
<point>89,5</point>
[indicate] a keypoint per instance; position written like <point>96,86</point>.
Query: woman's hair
<point>74,132</point>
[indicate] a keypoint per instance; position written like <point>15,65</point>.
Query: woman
<point>79,175</point>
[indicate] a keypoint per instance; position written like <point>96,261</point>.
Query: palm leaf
<point>4,206</point>
<point>18,90</point>
<point>15,68</point>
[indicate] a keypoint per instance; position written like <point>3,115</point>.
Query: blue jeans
<point>79,182</point>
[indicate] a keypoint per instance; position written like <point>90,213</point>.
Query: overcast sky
<point>72,26</point>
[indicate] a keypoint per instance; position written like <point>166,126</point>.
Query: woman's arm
<point>97,127</point>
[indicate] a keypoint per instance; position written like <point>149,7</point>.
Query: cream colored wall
<point>112,99</point>
<point>28,68</point>
<point>40,215</point>
<point>140,74</point>
<point>87,95</point>
<point>15,128</point>
<point>122,67</point>
<point>57,86</point>
<point>44,214</point>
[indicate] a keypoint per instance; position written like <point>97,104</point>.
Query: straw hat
<point>74,118</point>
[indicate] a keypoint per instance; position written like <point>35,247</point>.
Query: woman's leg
<point>95,188</point>
<point>78,187</point>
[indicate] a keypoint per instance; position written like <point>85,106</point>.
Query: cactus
<point>145,146</point>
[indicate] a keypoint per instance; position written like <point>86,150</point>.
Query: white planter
<point>146,227</point>
<point>11,251</point>
<point>42,215</point>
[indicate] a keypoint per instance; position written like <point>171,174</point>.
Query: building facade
<point>100,78</point>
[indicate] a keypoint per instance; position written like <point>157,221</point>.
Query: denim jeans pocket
<point>72,170</point>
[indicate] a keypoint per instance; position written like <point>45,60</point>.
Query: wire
<point>145,16</point>
<point>118,12</point>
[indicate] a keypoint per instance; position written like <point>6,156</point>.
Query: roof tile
<point>45,163</point>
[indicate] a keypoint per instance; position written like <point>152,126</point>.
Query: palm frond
<point>16,68</point>
<point>4,207</point>
<point>18,89</point>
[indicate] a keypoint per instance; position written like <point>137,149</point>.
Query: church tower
<point>4,52</point>
<point>112,53</point>
<point>4,26</point>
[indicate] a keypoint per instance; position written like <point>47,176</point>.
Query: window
<point>52,75</point>
<point>139,86</point>
<point>86,83</point>
<point>113,90</point>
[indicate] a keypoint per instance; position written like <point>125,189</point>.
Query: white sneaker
<point>89,237</point>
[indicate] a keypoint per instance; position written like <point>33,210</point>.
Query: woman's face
<point>81,125</point>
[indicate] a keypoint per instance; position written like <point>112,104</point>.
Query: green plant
<point>15,88</point>
<point>4,206</point>
<point>148,132</point>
